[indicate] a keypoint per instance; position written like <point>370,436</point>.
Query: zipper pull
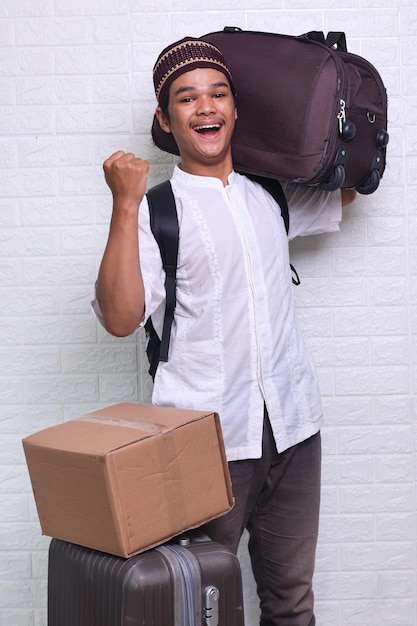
<point>341,116</point>
<point>347,129</point>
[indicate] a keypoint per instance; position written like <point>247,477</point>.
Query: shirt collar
<point>193,180</point>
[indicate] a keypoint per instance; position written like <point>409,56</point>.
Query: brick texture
<point>75,85</point>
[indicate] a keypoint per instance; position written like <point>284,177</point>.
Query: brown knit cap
<point>183,56</point>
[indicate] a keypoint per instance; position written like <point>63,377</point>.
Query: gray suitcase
<point>190,582</point>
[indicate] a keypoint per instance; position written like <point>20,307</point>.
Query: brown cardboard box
<point>128,477</point>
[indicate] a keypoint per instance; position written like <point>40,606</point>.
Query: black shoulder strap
<point>274,187</point>
<point>164,226</point>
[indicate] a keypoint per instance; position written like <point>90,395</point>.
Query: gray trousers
<point>277,498</point>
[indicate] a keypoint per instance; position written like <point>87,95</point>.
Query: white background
<point>75,85</point>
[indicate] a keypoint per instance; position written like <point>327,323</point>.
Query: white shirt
<point>235,343</point>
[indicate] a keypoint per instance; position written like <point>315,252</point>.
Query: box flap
<point>111,428</point>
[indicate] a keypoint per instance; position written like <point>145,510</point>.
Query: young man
<point>235,344</point>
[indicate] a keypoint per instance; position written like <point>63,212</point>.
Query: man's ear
<point>163,120</point>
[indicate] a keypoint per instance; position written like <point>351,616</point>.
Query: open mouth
<point>207,130</point>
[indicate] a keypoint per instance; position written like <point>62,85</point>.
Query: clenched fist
<point>126,175</point>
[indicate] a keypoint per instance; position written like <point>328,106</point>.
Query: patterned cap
<point>183,56</point>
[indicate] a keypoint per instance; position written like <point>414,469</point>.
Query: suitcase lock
<point>211,606</point>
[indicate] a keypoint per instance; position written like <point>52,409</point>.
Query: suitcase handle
<point>314,35</point>
<point>337,40</point>
<point>334,39</point>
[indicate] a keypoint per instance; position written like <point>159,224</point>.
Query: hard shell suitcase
<point>184,583</point>
<point>308,111</point>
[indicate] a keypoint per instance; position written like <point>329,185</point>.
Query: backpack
<point>164,226</point>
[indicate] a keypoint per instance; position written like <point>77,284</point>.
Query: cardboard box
<point>128,477</point>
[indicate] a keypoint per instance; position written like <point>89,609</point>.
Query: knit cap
<point>183,56</point>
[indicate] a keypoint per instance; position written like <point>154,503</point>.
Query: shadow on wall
<point>250,597</point>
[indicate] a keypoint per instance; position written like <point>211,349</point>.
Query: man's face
<point>201,116</point>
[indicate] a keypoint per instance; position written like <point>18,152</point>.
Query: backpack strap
<point>164,226</point>
<point>274,187</point>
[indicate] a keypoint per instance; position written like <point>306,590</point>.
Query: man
<point>235,344</point>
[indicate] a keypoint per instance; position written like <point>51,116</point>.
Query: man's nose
<point>206,105</point>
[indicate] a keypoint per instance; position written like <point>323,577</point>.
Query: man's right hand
<point>126,175</point>
<point>119,287</point>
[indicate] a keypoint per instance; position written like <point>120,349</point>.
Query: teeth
<point>207,127</point>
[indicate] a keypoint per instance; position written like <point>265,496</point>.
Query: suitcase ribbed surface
<point>90,588</point>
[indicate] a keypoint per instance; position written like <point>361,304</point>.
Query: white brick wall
<point>75,85</point>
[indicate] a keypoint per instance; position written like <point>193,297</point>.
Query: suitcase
<point>308,111</point>
<point>185,583</point>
